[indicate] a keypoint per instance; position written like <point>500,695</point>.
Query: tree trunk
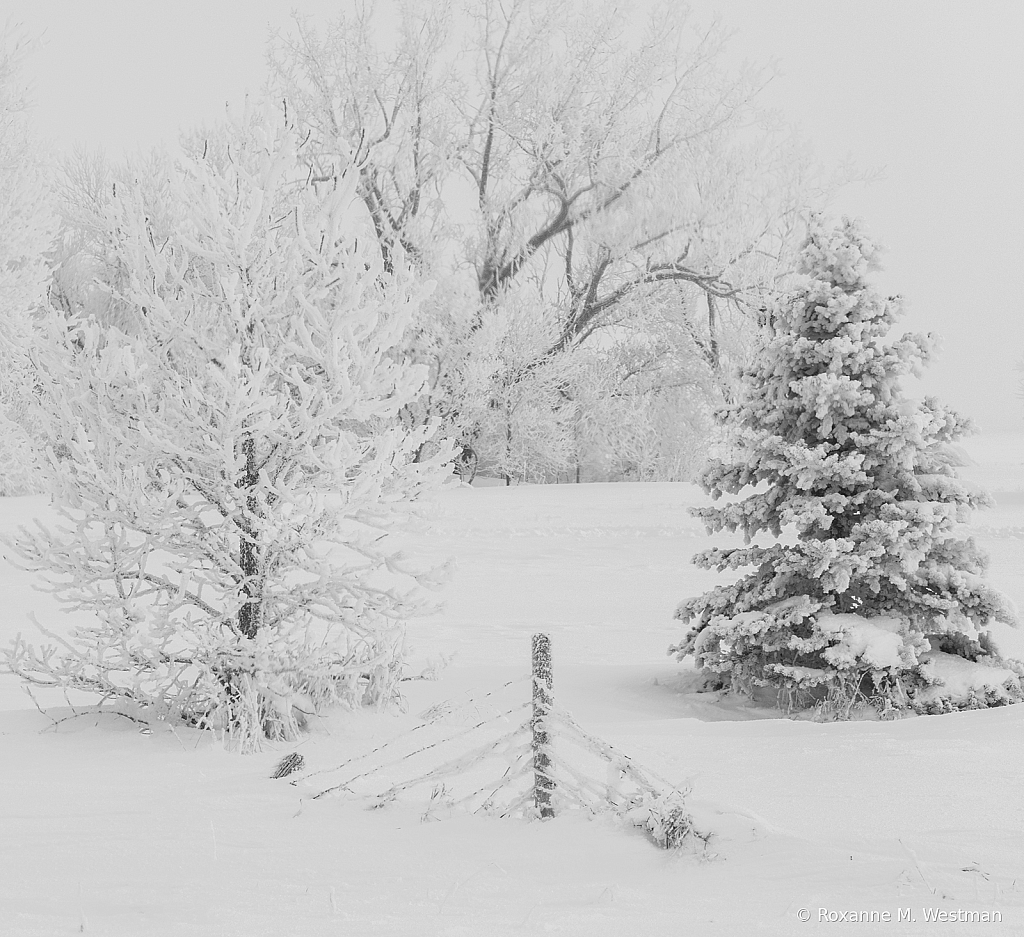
<point>714,356</point>
<point>508,445</point>
<point>250,614</point>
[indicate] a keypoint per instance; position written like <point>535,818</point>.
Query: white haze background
<point>928,93</point>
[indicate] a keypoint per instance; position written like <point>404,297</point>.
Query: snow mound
<point>960,680</point>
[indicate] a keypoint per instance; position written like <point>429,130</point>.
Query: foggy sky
<point>928,92</point>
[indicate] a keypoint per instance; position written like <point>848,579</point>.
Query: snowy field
<point>109,830</point>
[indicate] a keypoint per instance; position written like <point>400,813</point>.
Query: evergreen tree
<point>227,472</point>
<point>878,581</point>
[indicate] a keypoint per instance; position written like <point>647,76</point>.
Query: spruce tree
<point>874,584</point>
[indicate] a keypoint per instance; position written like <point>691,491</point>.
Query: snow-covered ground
<point>108,830</point>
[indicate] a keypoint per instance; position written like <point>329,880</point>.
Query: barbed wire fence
<point>527,760</point>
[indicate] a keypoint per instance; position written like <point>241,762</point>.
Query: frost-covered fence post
<point>449,761</point>
<point>543,783</point>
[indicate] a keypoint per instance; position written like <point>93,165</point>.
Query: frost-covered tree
<point>880,586</point>
<point>608,163</point>
<point>228,472</point>
<point>525,426</point>
<point>26,230</point>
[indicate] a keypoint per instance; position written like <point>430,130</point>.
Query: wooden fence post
<point>543,782</point>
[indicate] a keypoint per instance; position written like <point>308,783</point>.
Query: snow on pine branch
<point>879,580</point>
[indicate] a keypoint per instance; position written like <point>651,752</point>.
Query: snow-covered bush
<point>637,421</point>
<point>26,230</point>
<point>879,580</point>
<point>227,472</point>
<point>501,396</point>
<point>624,410</point>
